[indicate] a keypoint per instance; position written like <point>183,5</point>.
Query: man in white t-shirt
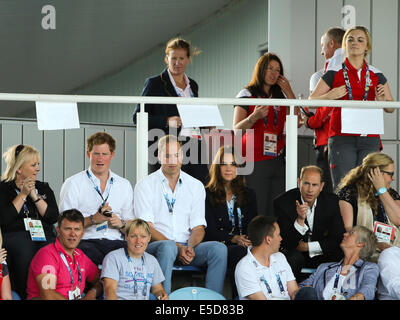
<point>104,198</point>
<point>264,273</point>
<point>173,204</point>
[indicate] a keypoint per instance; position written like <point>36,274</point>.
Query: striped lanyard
<point>96,188</point>
<point>70,271</point>
<point>231,206</point>
<point>275,108</point>
<point>348,86</point>
<point>136,276</point>
<point>278,280</point>
<point>171,203</point>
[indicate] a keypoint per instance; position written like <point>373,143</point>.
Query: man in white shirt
<point>311,225</point>
<point>104,198</point>
<point>173,203</point>
<point>331,44</point>
<point>389,274</point>
<point>264,273</point>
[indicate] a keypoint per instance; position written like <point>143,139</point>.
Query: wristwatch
<point>123,224</point>
<point>380,191</point>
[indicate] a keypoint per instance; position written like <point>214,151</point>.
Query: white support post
<point>291,150</point>
<point>142,136</point>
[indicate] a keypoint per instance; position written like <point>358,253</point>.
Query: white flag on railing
<point>362,121</point>
<point>57,115</point>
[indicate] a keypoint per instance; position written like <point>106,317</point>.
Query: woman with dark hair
<point>265,146</point>
<point>28,210</point>
<point>230,206</point>
<point>351,79</point>
<point>173,82</point>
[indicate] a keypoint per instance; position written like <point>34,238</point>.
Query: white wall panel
<point>385,52</point>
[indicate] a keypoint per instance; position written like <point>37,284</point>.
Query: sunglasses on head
<point>18,150</point>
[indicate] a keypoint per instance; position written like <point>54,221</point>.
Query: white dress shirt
<point>78,192</point>
<point>389,271</point>
<point>314,248</point>
<point>188,210</point>
<point>186,93</point>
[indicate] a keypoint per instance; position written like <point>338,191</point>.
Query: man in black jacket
<point>310,221</point>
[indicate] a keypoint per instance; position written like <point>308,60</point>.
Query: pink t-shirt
<point>48,260</point>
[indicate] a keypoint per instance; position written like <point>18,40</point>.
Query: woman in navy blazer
<point>353,278</point>
<point>172,82</point>
<point>230,206</point>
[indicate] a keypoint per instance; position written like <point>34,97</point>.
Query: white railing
<point>142,117</point>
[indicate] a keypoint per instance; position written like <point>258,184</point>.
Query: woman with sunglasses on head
<point>28,210</point>
<point>230,206</point>
<point>365,196</point>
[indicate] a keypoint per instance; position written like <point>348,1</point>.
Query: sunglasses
<point>391,174</point>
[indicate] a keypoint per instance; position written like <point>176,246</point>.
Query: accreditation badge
<point>270,144</point>
<point>36,230</point>
<point>383,232</point>
<point>75,294</point>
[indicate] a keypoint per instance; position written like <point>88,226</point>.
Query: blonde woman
<point>366,196</point>
<point>26,206</point>
<point>130,273</point>
<point>351,79</point>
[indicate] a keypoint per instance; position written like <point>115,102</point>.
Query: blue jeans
<point>210,254</point>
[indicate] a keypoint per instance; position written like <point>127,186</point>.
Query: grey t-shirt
<point>136,278</point>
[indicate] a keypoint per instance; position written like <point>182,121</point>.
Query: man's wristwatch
<point>91,219</point>
<point>123,224</point>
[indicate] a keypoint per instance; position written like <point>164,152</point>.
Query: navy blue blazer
<point>218,224</point>
<point>161,86</point>
<point>328,227</point>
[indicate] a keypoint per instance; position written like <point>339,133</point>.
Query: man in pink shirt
<point>60,271</point>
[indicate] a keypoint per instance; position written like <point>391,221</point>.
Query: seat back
<point>195,293</point>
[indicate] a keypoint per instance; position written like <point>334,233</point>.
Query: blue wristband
<point>380,191</point>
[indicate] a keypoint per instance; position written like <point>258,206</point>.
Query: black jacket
<point>218,224</point>
<point>328,227</point>
<point>11,220</point>
<point>161,86</point>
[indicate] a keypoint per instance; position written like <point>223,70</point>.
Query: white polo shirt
<point>188,209</point>
<point>79,192</point>
<point>250,276</point>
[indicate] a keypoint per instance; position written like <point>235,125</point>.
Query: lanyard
<point>348,86</point>
<point>25,207</point>
<point>135,275</point>
<point>97,188</point>
<point>170,203</point>
<point>337,276</point>
<point>231,205</point>
<point>278,280</point>
<point>69,269</point>
<point>275,108</point>
<point>381,216</point>
<point>179,95</point>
